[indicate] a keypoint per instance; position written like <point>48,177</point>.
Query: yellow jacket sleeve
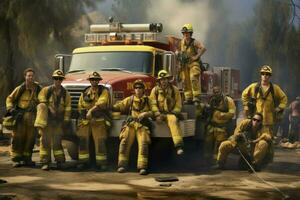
<point>241,127</point>
<point>68,107</point>
<point>123,105</point>
<point>154,106</point>
<point>11,98</point>
<point>103,100</point>
<point>231,110</point>
<point>247,94</point>
<point>178,102</point>
<point>42,97</point>
<point>281,96</point>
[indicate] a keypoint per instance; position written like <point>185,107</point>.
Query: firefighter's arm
<point>246,95</point>
<point>281,97</point>
<point>102,101</point>
<point>67,114</point>
<point>241,127</point>
<point>231,110</point>
<point>178,102</point>
<point>265,136</point>
<point>154,103</point>
<point>42,97</point>
<point>200,50</point>
<point>146,112</point>
<point>11,98</point>
<point>122,106</point>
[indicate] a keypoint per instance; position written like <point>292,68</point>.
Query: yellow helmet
<point>163,74</point>
<point>187,28</point>
<point>266,69</point>
<point>58,73</point>
<point>95,75</point>
<point>139,82</point>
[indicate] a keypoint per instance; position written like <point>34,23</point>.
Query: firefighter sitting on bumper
<point>166,105</point>
<point>137,125</point>
<point>21,105</point>
<point>190,52</point>
<point>252,142</point>
<point>53,110</point>
<point>266,98</point>
<point>222,110</point>
<point>93,121</point>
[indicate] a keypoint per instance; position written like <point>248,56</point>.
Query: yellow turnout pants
<point>192,81</point>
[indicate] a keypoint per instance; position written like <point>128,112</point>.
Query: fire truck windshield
<point>97,61</point>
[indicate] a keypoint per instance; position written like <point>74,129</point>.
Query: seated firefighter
<point>221,111</point>
<point>53,112</point>
<point>138,125</point>
<point>94,119</point>
<point>166,105</point>
<point>250,140</point>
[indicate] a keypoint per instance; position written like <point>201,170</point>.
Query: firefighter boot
<point>45,167</point>
<point>143,172</point>
<point>16,164</point>
<point>121,170</point>
<point>180,151</point>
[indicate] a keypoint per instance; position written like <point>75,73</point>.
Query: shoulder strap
<point>275,100</point>
<point>130,105</point>
<point>256,90</point>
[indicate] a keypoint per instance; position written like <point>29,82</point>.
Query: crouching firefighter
<point>250,140</point>
<point>94,120</point>
<point>21,105</point>
<point>53,112</point>
<point>166,105</point>
<point>222,110</point>
<point>136,125</point>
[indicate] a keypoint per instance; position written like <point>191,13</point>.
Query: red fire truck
<point>122,53</point>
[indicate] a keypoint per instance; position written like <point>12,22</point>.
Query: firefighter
<point>21,104</point>
<point>250,140</point>
<point>137,124</point>
<point>93,122</point>
<point>53,111</point>
<point>166,105</point>
<point>266,98</point>
<point>294,118</point>
<point>222,109</point>
<point>190,52</point>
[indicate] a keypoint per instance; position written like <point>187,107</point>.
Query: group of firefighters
<point>48,109</point>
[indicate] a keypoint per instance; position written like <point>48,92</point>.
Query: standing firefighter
<point>190,52</point>
<point>222,110</point>
<point>137,125</point>
<point>294,118</point>
<point>21,105</point>
<point>53,112</point>
<point>166,106</point>
<point>266,98</point>
<point>93,121</point>
<point>250,140</point>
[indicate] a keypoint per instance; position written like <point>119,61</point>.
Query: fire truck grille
<point>75,92</point>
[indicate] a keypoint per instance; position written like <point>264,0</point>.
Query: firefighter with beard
<point>53,112</point>
<point>189,54</point>
<point>137,125</point>
<point>21,106</point>
<point>222,110</point>
<point>250,140</point>
<point>266,98</point>
<point>94,120</point>
<point>166,106</point>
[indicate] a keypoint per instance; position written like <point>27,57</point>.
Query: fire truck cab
<point>122,53</point>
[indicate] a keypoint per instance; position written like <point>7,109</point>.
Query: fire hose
<point>284,196</point>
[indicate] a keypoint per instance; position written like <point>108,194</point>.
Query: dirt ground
<point>200,183</point>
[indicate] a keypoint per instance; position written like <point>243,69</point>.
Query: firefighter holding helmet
<point>266,98</point>
<point>189,54</point>
<point>137,125</point>
<point>53,110</point>
<point>93,122</point>
<point>166,106</point>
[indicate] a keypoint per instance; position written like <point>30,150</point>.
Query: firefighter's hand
<point>278,110</point>
<point>142,115</point>
<point>89,114</point>
<point>255,141</point>
<point>52,110</point>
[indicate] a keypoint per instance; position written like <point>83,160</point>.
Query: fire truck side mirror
<point>61,61</point>
<point>169,62</point>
